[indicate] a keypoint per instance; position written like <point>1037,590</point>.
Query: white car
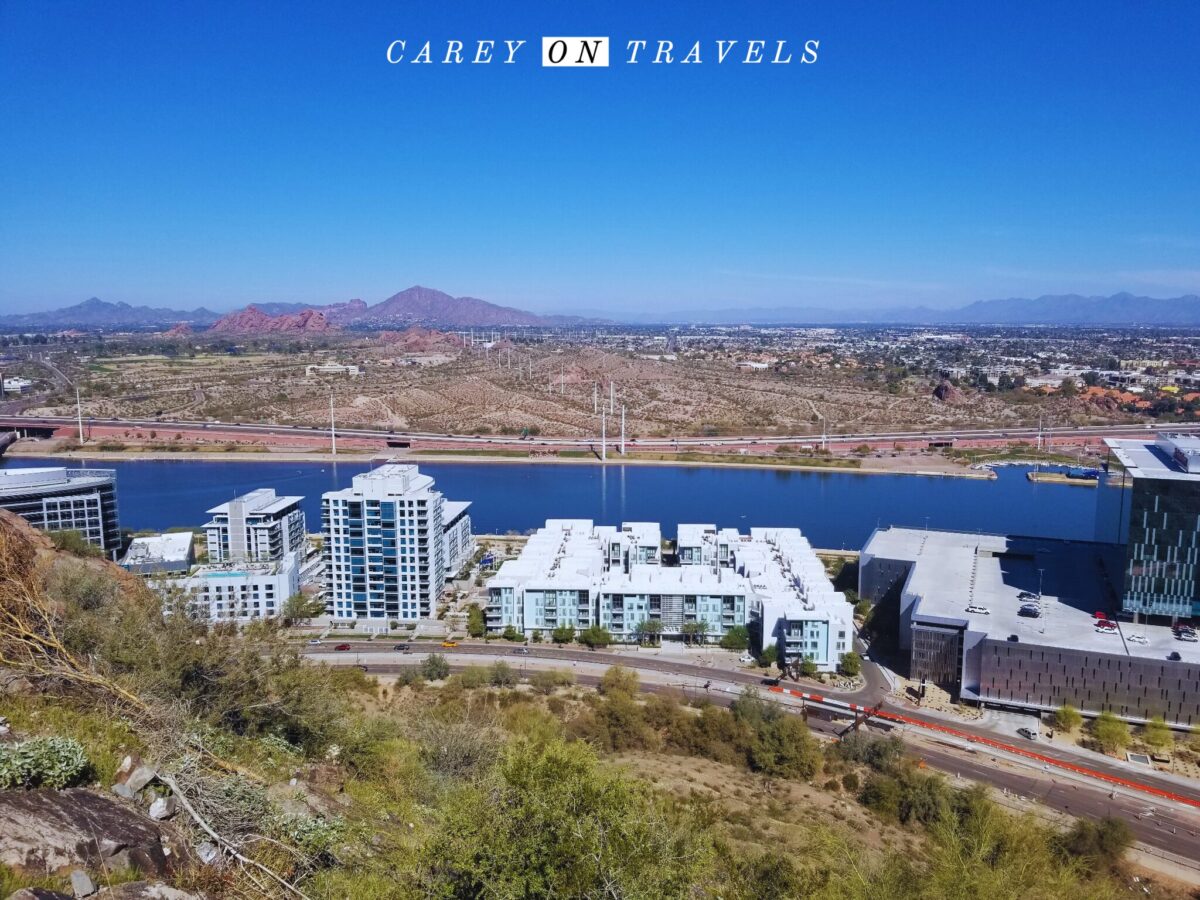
<point>1138,638</point>
<point>746,659</point>
<point>979,610</point>
<point>314,642</point>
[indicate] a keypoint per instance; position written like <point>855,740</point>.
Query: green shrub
<point>71,541</point>
<point>546,680</point>
<point>501,674</point>
<point>1067,718</point>
<point>850,664</point>
<point>736,638</point>
<point>510,633</point>
<point>1110,732</point>
<point>53,762</point>
<point>435,667</point>
<point>474,676</point>
<point>850,782</point>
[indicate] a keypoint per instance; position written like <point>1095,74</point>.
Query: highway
<point>1162,826</point>
<point>271,430</point>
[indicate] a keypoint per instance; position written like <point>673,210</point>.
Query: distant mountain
<point>431,308</point>
<point>99,314</point>
<point>1121,310</point>
<point>253,320</point>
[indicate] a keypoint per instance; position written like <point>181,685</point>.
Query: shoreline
<point>418,457</point>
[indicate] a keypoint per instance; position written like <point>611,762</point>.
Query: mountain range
<point>432,308</point>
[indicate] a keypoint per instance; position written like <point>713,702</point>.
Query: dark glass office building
<point>1158,519</point>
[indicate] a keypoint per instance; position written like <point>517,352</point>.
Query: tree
<point>736,638</point>
<point>851,664</point>
<point>435,667</point>
<point>619,680</point>
<point>649,631</point>
<point>1110,732</point>
<point>1091,378</point>
<point>1104,841</point>
<point>563,634</point>
<point>550,821</point>
<point>1157,734</point>
<point>1068,387</point>
<point>595,637</point>
<point>476,624</point>
<point>1067,718</point>
<point>808,668</point>
<point>511,634</point>
<point>537,636</point>
<point>693,631</point>
<point>300,608</point>
<point>769,656</point>
<point>502,674</point>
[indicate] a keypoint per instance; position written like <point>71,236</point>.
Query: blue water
<point>835,509</point>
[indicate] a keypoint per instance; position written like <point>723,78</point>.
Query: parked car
<point>1027,595</point>
<point>1189,636</point>
<point>1138,639</point>
<point>1027,733</point>
<point>979,610</point>
<point>313,642</point>
<point>1099,616</point>
<point>402,648</point>
<point>1029,612</point>
<point>1174,656</point>
<point>745,659</point>
<point>342,647</point>
<point>449,643</point>
<point>1014,639</point>
<point>521,651</point>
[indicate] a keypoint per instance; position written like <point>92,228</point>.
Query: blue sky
<point>220,153</point>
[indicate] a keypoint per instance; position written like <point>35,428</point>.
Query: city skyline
<point>928,158</point>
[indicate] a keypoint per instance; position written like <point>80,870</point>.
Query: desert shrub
<point>501,674</point>
<point>545,681</point>
<point>435,667</point>
<point>53,762</point>
<point>1067,718</point>
<point>1110,733</point>
<point>474,676</point>
<point>736,638</point>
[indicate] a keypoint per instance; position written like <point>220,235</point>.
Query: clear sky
<point>219,153</point>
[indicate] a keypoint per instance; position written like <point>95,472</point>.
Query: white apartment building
<point>385,545</point>
<point>60,499</point>
<point>573,572</point>
<point>256,527</point>
<point>457,539</point>
<point>237,593</point>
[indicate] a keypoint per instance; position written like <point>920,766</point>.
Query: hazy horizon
<point>934,156</point>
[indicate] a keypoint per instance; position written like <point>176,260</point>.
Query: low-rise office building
<point>575,573</point>
<point>161,554</point>
<point>61,499</point>
<point>1012,621</point>
<point>256,527</point>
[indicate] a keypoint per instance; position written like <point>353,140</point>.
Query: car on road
<point>1030,612</point>
<point>1138,639</point>
<point>342,647</point>
<point>449,643</point>
<point>979,610</point>
<point>1027,595</point>
<point>314,642</point>
<point>521,651</point>
<point>1028,734</point>
<point>401,648</point>
<point>1174,656</point>
<point>1014,639</point>
<point>1189,636</point>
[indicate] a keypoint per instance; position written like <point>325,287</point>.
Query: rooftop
<point>262,502</point>
<point>21,481</point>
<point>388,480</point>
<point>1075,579</point>
<point>159,548</point>
<point>1168,456</point>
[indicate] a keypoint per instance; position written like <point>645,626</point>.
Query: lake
<point>835,510</point>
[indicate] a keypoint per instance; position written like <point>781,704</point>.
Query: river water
<point>835,510</point>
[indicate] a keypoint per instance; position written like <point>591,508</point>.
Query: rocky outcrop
<point>948,393</point>
<point>53,831</point>
<point>421,340</point>
<point>252,320</point>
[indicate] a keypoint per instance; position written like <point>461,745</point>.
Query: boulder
<point>52,831</point>
<point>948,393</point>
<point>82,884</point>
<point>146,890</point>
<point>123,791</point>
<point>163,808</point>
<point>139,778</point>
<point>37,893</point>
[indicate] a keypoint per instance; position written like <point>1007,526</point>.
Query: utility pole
<point>332,428</point>
<point>79,413</point>
<point>603,436</point>
<point>595,398</point>
<point>612,397</point>
<point>562,379</point>
<point>622,429</point>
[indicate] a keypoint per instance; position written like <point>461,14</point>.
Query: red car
<point>342,647</point>
<point>1100,616</point>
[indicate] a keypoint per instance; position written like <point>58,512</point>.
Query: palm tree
<point>693,630</point>
<point>649,629</point>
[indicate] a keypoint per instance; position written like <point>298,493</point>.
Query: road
<point>269,430</point>
<point>1161,826</point>
<point>874,691</point>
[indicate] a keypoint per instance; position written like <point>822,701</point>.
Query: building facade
<point>161,554</point>
<point>237,593</point>
<point>256,527</point>
<point>575,573</point>
<point>61,499</point>
<point>384,546</point>
<point>458,540</point>
<point>1159,523</point>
